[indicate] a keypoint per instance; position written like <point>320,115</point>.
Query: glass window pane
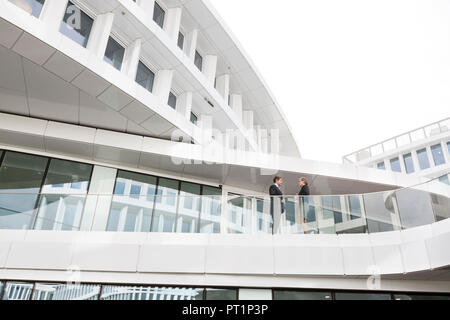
<point>33,7</point>
<point>189,208</point>
<point>181,40</point>
<point>17,291</point>
<point>61,204</point>
<point>331,215</point>
<point>395,165</point>
<point>133,202</point>
<point>21,177</point>
<point>380,212</point>
<point>424,162</point>
<point>265,221</point>
<point>158,15</point>
<point>62,292</point>
<point>239,215</point>
<point>448,147</point>
<point>381,166</point>
<point>409,164</point>
<point>166,206</point>
<point>198,60</point>
<point>362,296</point>
<point>150,293</point>
<point>194,118</point>
<point>211,210</point>
<point>145,77</point>
<point>441,206</point>
<point>114,53</point>
<point>221,294</point>
<point>438,155</point>
<point>76,25</point>
<point>172,100</point>
<point>415,208</point>
<point>445,179</point>
<point>409,296</point>
<point>301,295</point>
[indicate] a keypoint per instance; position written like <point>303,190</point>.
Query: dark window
<point>409,164</point>
<point>145,77</point>
<point>198,61</point>
<point>301,295</point>
<point>33,7</point>
<point>158,15</point>
<point>395,165</point>
<point>180,41</point>
<point>76,25</point>
<point>194,118</point>
<point>172,100</point>
<point>438,155</point>
<point>424,162</point>
<point>114,54</point>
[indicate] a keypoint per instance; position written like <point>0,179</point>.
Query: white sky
<point>348,73</point>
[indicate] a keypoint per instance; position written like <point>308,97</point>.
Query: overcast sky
<point>348,73</point>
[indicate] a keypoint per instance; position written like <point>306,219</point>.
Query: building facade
<point>137,145</point>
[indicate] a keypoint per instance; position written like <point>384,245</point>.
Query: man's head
<point>278,181</point>
<point>302,182</point>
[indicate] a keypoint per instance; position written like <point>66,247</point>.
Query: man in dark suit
<point>275,192</point>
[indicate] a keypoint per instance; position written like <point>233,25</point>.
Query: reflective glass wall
<point>143,203</point>
<point>41,193</point>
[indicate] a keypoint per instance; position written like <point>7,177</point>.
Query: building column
<point>148,6</point>
<point>210,68</point>
<point>184,105</point>
<point>163,84</point>
<point>236,105</point>
<point>131,59</point>
<point>52,14</point>
<point>262,139</point>
<point>190,44</point>
<point>248,120</point>
<point>98,201</point>
<point>223,86</point>
<point>173,23</point>
<point>206,126</point>
<point>101,30</point>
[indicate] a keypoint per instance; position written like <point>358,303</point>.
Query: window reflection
<point>132,204</point>
<point>76,25</point>
<point>221,294</point>
<point>33,7</point>
<point>63,196</point>
<point>189,208</point>
<point>211,210</point>
<point>381,213</point>
<point>63,292</point>
<point>166,206</point>
<point>301,295</point>
<point>414,213</point>
<point>239,214</point>
<point>150,293</point>
<point>21,178</point>
<point>17,291</point>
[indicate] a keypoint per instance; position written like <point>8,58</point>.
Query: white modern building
<point>137,146</point>
<point>423,152</point>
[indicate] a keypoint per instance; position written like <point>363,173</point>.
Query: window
<point>445,179</point>
<point>114,54</point>
<point>189,208</point>
<point>172,100</point>
<point>158,15</point>
<point>61,207</point>
<point>145,77</point>
<point>21,177</point>
<point>448,147</point>
<point>150,293</point>
<point>166,206</point>
<point>221,294</point>
<point>131,212</point>
<point>408,296</point>
<point>17,291</point>
<point>180,41</point>
<point>33,7</point>
<point>198,61</point>
<point>76,25</point>
<point>409,164</point>
<point>354,204</point>
<point>395,165</point>
<point>424,162</point>
<point>381,166</point>
<point>301,295</point>
<point>438,155</point>
<point>62,292</point>
<point>194,118</point>
<point>211,210</point>
<point>362,296</point>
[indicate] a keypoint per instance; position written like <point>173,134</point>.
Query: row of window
<point>77,25</point>
<point>424,163</point>
<point>59,292</point>
<point>50,194</point>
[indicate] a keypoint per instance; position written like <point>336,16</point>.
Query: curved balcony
<point>232,240</point>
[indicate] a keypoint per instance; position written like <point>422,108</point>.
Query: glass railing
<point>232,214</point>
<point>407,138</point>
